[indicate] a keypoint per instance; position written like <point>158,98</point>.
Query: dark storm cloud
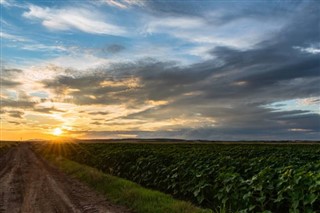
<point>233,88</point>
<point>302,69</point>
<point>309,122</point>
<point>276,60</point>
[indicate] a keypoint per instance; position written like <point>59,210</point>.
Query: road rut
<point>28,184</point>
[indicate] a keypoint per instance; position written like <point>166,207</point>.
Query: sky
<point>214,70</point>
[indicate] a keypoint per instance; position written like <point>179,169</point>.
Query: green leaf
<point>310,199</point>
<point>196,192</point>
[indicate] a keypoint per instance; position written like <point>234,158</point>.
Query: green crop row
<point>244,178</point>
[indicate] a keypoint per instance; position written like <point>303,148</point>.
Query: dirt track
<point>28,184</point>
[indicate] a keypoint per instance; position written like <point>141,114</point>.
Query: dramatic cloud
<point>252,72</point>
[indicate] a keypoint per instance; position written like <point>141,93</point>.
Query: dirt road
<point>28,184</point>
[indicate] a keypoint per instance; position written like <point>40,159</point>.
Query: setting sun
<point>57,131</point>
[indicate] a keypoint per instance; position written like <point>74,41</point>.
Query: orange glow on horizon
<point>24,135</point>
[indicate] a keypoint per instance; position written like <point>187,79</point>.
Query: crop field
<point>222,177</point>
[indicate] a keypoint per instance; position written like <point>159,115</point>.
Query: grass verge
<point>4,146</point>
<point>124,192</point>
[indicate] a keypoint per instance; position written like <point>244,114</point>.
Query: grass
<point>7,144</point>
<point>124,192</point>
<point>4,146</point>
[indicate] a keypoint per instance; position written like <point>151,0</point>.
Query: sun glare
<point>57,131</point>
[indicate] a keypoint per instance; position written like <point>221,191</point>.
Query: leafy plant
<point>228,178</point>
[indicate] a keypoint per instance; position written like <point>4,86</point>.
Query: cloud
<point>23,104</point>
<point>25,43</point>
<point>79,60</point>
<point>43,47</point>
<point>200,30</point>
<point>81,89</point>
<point>8,83</point>
<point>16,114</point>
<point>81,19</point>
<point>10,3</point>
<point>14,122</point>
<point>310,101</point>
<point>210,24</point>
<point>124,4</point>
<point>4,35</point>
<point>98,113</point>
<point>175,23</point>
<point>193,95</point>
<point>176,8</point>
<point>222,97</point>
<point>47,110</point>
<point>6,78</point>
<point>223,12</point>
<point>231,94</point>
<point>314,49</point>
<point>114,48</point>
<point>5,3</point>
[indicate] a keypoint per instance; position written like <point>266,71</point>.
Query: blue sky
<point>182,69</point>
<point>45,29</point>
